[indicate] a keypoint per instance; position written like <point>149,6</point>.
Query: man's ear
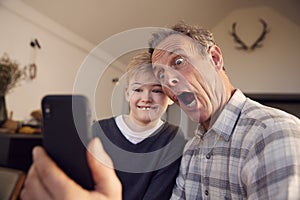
<point>216,56</point>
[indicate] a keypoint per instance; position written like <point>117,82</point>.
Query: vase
<point>3,110</point>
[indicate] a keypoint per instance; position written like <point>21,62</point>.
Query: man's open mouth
<point>187,98</point>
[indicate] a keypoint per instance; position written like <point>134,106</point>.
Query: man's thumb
<point>101,165</point>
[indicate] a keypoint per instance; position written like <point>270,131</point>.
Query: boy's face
<point>146,98</point>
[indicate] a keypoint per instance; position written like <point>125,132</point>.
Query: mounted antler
<point>257,43</point>
<point>237,39</point>
<point>262,36</point>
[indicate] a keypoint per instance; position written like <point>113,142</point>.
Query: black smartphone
<point>66,133</point>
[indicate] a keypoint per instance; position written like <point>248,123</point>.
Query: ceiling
<point>96,20</point>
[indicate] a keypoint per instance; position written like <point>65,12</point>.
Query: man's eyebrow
<point>169,51</point>
<point>176,51</point>
<point>179,52</point>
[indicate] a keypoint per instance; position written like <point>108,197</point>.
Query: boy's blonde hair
<point>139,65</point>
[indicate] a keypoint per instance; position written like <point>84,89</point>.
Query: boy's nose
<point>146,96</point>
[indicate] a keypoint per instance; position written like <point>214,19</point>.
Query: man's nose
<point>170,78</point>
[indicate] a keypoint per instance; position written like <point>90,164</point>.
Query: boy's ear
<point>170,102</point>
<point>127,95</point>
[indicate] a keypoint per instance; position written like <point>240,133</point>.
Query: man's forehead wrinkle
<point>156,54</point>
<point>166,52</point>
<point>168,48</point>
<point>174,45</point>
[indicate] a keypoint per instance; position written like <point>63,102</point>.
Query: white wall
<point>58,60</point>
<point>273,68</point>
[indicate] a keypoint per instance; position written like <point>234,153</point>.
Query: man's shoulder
<point>266,120</point>
<point>266,114</point>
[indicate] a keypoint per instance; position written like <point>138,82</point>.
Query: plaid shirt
<point>251,152</point>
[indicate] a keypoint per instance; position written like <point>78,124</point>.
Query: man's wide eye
<point>178,61</point>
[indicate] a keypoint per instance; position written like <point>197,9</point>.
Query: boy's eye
<point>178,61</point>
<point>137,90</point>
<point>157,91</point>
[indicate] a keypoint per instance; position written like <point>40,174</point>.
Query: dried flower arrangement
<point>11,74</point>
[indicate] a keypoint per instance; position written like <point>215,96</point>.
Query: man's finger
<point>33,188</point>
<point>51,176</point>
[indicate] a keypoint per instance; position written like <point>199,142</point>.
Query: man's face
<point>187,77</point>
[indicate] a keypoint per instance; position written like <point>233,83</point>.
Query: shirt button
<point>206,192</point>
<point>208,156</point>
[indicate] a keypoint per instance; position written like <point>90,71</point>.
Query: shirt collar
<point>227,120</point>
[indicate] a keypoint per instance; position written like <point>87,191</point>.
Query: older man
<point>242,149</point>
